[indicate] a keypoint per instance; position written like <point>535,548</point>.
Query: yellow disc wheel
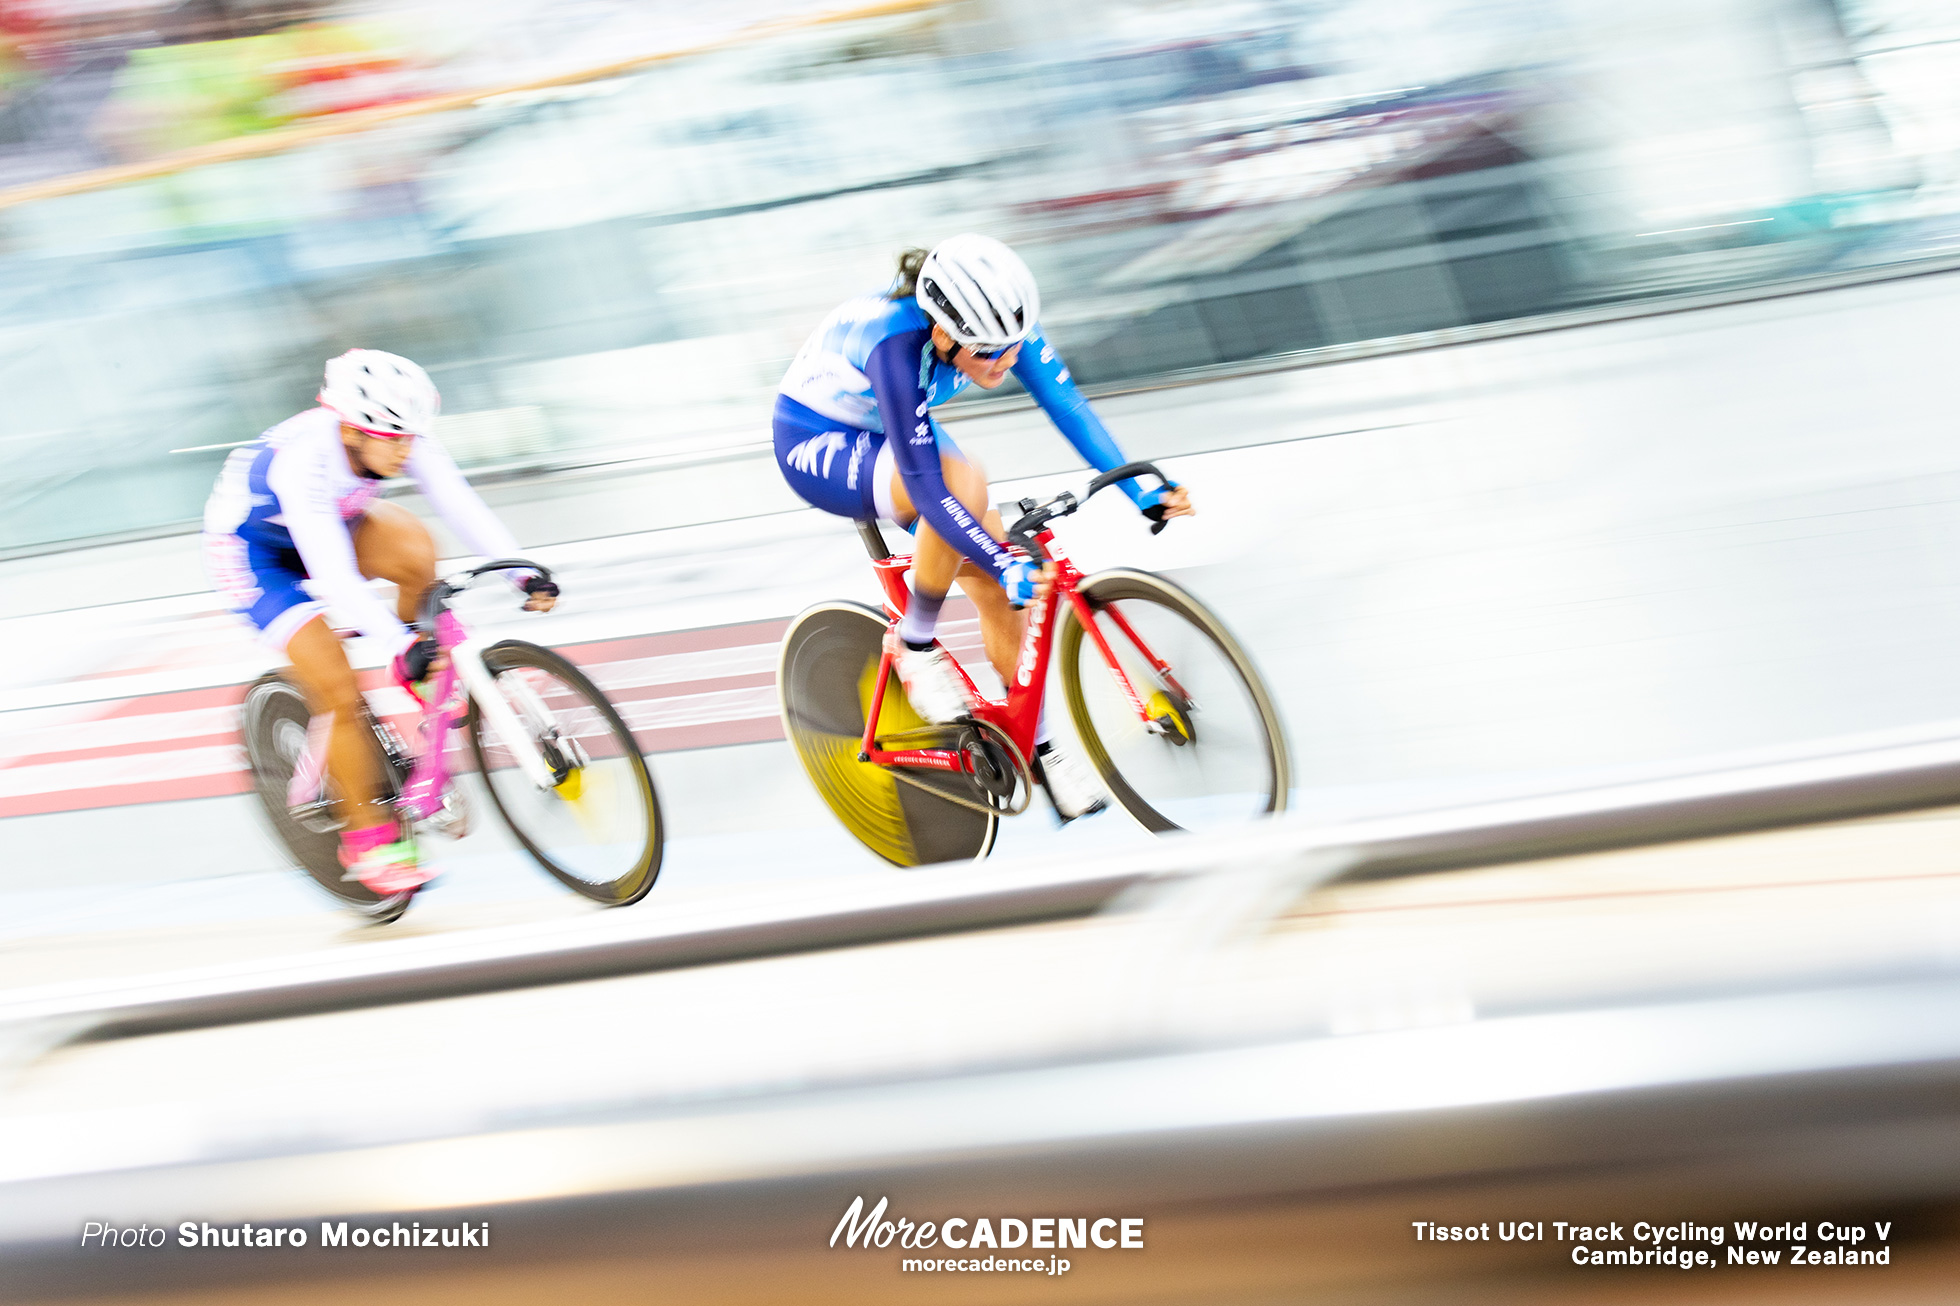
<point>826,680</point>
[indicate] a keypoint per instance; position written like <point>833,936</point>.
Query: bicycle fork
<point>1153,714</point>
<point>519,729</point>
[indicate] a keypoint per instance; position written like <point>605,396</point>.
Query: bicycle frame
<point>1018,715</point>
<point>422,795</point>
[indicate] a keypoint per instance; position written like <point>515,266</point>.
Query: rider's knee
<point>415,550</point>
<point>394,544</point>
<point>418,550</point>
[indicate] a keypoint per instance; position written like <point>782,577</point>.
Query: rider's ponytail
<point>906,284</point>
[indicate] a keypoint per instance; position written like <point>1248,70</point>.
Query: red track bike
<point>1168,708</point>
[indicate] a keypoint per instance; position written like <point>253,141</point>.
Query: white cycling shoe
<point>930,681</point>
<point>1073,791</point>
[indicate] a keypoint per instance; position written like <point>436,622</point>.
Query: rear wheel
<point>276,720</point>
<point>598,829</point>
<point>1208,751</point>
<point>826,680</point>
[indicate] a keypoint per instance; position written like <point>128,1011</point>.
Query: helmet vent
<point>380,392</point>
<point>979,291</point>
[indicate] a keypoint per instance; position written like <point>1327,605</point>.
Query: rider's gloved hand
<point>1021,579</point>
<point>412,663</point>
<point>1164,503</point>
<point>540,594</point>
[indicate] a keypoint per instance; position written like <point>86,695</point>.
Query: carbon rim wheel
<point>826,680</point>
<point>275,720</point>
<point>599,830</point>
<point>1215,752</point>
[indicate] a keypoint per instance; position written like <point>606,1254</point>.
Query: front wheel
<point>1201,746</point>
<point>598,829</point>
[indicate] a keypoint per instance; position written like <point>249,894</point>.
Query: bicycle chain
<point>1023,773</point>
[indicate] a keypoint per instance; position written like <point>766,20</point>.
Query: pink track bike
<point>561,767</point>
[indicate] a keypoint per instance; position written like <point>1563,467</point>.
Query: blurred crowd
<point>593,259</point>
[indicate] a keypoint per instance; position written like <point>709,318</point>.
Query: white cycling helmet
<point>381,393</point>
<point>980,291</point>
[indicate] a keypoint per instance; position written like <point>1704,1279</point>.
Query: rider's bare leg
<point>1001,627</point>
<point>391,543</point>
<point>936,564</point>
<point>321,667</point>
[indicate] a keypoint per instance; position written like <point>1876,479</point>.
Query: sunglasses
<point>988,355</point>
<point>384,435</point>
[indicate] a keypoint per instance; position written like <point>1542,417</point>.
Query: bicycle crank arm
<point>496,710</point>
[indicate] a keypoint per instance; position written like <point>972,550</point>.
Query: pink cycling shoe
<point>382,861</point>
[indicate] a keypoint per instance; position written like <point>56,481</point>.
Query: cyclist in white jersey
<point>855,436</point>
<point>295,526</point>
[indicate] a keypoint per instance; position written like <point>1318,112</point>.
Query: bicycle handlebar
<point>1127,472</point>
<point>1034,515</point>
<point>442,591</point>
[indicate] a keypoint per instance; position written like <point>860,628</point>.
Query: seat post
<point>874,540</point>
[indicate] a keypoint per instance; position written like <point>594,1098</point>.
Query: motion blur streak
<point>618,266</point>
<point>1566,392</point>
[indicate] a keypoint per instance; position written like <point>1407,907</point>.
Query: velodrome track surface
<point>1465,571</point>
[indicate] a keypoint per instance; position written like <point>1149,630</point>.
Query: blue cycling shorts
<point>263,584</point>
<point>838,468</point>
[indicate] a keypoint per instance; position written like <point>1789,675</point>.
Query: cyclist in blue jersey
<point>855,436</point>
<point>295,525</point>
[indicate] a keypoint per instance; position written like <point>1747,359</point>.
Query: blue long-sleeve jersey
<point>871,365</point>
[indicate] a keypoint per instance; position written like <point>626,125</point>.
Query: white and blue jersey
<point>279,523</point>
<point>864,385</point>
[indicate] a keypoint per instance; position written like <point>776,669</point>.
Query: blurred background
<point>606,227</point>
<point>1567,390</point>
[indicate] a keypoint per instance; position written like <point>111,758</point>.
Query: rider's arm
<point>436,475</point>
<point>893,368</point>
<point>1046,377</point>
<point>302,479</point>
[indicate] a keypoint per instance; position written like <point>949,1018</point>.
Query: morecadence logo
<point>879,1228</point>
